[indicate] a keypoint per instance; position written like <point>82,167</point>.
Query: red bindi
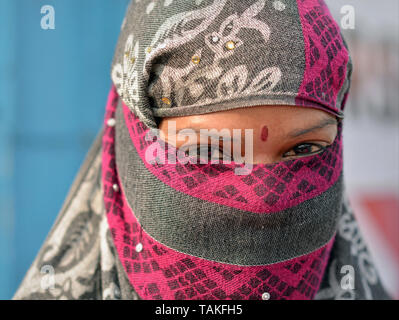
<point>264,134</point>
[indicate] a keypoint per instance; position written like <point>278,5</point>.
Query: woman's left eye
<point>304,149</point>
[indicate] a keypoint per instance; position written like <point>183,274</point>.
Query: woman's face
<point>279,132</point>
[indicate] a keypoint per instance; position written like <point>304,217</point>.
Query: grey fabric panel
<point>216,232</point>
<point>283,50</point>
<point>186,28</point>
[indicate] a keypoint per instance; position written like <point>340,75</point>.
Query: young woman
<point>219,172</point>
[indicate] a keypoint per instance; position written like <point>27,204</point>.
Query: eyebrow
<point>323,123</point>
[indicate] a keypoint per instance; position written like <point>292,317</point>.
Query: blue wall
<point>53,89</point>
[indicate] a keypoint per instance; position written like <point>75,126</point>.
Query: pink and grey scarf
<point>200,231</point>
<point>137,229</point>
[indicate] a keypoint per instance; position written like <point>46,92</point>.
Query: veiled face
<point>279,132</point>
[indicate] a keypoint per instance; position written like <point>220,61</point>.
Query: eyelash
<point>321,149</point>
<point>211,148</point>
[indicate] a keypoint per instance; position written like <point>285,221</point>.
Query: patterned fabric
<point>77,260</point>
<point>167,272</point>
<point>206,233</point>
<point>173,59</point>
<point>259,225</point>
<point>98,274</point>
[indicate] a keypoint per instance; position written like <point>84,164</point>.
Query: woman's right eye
<point>209,152</point>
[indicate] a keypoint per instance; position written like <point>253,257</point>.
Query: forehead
<point>253,117</point>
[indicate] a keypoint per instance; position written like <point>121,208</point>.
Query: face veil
<point>201,231</point>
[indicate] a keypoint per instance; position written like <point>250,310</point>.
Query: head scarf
<point>200,231</point>
<point>193,57</point>
<point>133,229</point>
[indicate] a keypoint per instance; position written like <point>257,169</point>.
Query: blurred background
<point>371,131</point>
<point>53,89</point>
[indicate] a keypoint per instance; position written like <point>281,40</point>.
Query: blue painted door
<point>53,85</point>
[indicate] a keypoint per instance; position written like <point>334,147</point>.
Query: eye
<point>209,152</point>
<point>304,149</point>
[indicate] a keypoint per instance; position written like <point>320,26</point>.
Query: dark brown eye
<point>304,149</point>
